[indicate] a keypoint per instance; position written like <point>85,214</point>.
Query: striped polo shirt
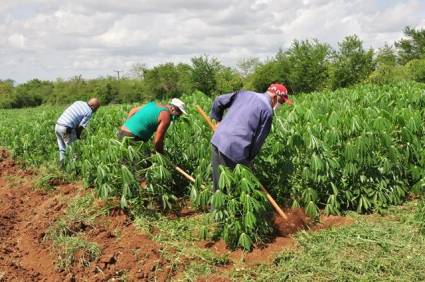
<point>78,114</point>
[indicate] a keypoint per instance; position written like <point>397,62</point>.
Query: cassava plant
<point>241,208</point>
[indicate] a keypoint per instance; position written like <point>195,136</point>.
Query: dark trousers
<point>217,159</point>
<point>121,134</point>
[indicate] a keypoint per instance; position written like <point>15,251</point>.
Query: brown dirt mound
<point>260,254</point>
<point>24,256</point>
<point>3,154</point>
<point>183,212</point>
<point>57,181</point>
<point>27,213</point>
<point>9,167</point>
<point>125,252</point>
<point>297,221</point>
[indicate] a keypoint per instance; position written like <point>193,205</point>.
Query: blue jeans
<point>65,136</point>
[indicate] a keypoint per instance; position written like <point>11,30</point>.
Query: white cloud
<point>17,40</point>
<point>52,38</point>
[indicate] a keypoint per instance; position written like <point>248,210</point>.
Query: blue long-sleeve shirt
<point>244,127</point>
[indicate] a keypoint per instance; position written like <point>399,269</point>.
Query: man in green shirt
<point>142,122</point>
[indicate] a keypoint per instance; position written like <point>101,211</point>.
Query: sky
<point>51,39</point>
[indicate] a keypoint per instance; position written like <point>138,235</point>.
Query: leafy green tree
<point>283,68</point>
<point>185,83</point>
<point>130,91</point>
<point>273,70</point>
<point>309,63</point>
<point>166,81</point>
<point>6,93</point>
<point>247,66</point>
<point>6,87</point>
<point>32,93</point>
<point>416,70</point>
<point>265,74</point>
<point>411,47</point>
<point>352,63</point>
<point>160,81</point>
<point>386,56</point>
<point>387,69</point>
<point>106,90</point>
<point>68,91</point>
<point>138,70</point>
<point>387,74</point>
<point>228,80</point>
<point>204,70</point>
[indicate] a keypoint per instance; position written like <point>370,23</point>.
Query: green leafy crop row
<point>353,149</point>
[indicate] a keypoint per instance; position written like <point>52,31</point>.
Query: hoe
<point>269,197</point>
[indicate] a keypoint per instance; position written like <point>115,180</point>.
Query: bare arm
<point>163,123</point>
<point>133,111</point>
<point>83,124</point>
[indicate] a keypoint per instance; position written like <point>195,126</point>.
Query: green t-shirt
<point>145,122</point>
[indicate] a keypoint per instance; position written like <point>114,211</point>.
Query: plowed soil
<point>25,215</point>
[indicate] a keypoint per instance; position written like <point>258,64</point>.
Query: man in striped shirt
<point>72,122</point>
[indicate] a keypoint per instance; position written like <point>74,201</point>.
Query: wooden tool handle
<point>269,197</point>
<point>206,117</point>
<point>274,204</point>
<point>182,172</point>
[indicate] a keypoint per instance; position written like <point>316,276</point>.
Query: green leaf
<point>245,241</point>
<point>312,210</point>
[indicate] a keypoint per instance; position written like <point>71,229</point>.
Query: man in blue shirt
<point>242,131</point>
<point>72,122</point>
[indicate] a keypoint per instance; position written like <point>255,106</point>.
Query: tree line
<point>306,66</point>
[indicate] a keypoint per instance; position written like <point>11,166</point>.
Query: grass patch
<point>14,181</point>
<point>50,176</point>
<point>66,232</point>
<point>420,216</point>
<point>375,248</point>
<point>44,182</point>
<point>178,238</point>
<point>165,229</point>
<point>73,248</point>
<point>80,215</point>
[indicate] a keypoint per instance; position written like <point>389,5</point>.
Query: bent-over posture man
<point>142,122</point>
<point>242,131</point>
<point>71,123</point>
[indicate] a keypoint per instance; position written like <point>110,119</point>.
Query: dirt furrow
<point>27,213</point>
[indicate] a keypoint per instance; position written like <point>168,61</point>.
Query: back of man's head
<point>94,103</point>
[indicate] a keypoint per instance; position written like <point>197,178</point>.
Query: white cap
<point>179,104</point>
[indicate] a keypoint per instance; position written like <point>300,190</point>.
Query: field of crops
<point>354,149</point>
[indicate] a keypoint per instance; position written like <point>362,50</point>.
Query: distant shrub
<point>386,74</point>
<point>416,70</point>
